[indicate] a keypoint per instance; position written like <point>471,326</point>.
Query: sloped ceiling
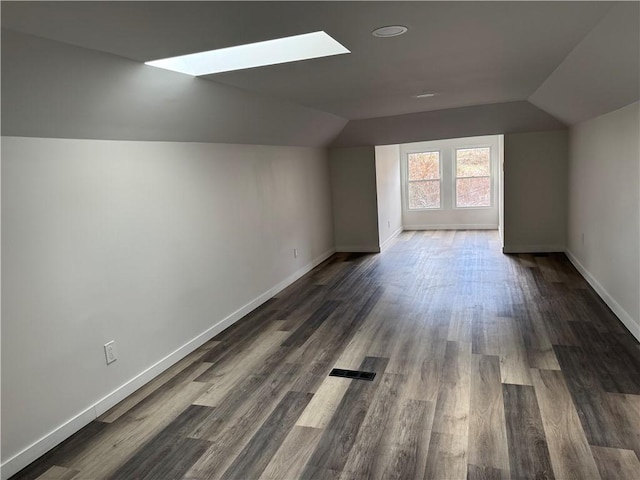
<point>55,90</point>
<point>601,74</point>
<point>471,53</point>
<point>493,119</point>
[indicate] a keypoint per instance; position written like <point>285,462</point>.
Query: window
<point>473,177</point>
<point>450,183</point>
<point>423,180</point>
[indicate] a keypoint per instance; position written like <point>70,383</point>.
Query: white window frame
<point>456,178</point>
<point>405,166</point>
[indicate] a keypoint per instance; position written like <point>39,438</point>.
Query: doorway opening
<point>453,184</point>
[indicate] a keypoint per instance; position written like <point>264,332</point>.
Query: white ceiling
<point>601,74</point>
<point>471,53</point>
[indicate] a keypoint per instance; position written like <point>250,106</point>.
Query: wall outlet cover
<point>110,352</point>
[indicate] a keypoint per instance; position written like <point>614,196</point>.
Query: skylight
<point>270,52</point>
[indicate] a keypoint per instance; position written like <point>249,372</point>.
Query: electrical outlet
<point>110,352</point>
<point>295,253</point>
<point>388,223</point>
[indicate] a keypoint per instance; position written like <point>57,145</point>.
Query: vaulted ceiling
<point>470,53</point>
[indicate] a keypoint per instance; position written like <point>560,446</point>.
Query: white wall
<point>150,244</point>
<point>501,192</point>
<point>388,191</point>
<point>353,194</point>
<point>604,201</point>
<point>535,191</point>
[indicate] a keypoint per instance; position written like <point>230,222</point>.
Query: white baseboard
<point>388,241</point>
<point>64,431</point>
<point>454,226</point>
<point>620,312</point>
<point>46,443</point>
<point>298,274</point>
<point>533,248</point>
<point>358,248</point>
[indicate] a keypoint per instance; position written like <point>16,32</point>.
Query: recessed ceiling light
<point>426,95</point>
<point>270,52</point>
<point>389,31</point>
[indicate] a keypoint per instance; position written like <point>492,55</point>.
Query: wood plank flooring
<point>488,366</point>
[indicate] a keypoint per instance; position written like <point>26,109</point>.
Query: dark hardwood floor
<point>488,366</point>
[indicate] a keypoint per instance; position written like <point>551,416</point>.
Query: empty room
<point>314,239</point>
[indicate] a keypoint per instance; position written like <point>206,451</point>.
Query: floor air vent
<point>355,374</point>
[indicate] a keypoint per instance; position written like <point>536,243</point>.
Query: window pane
<point>473,162</point>
<point>424,166</point>
<point>424,194</point>
<point>473,192</point>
